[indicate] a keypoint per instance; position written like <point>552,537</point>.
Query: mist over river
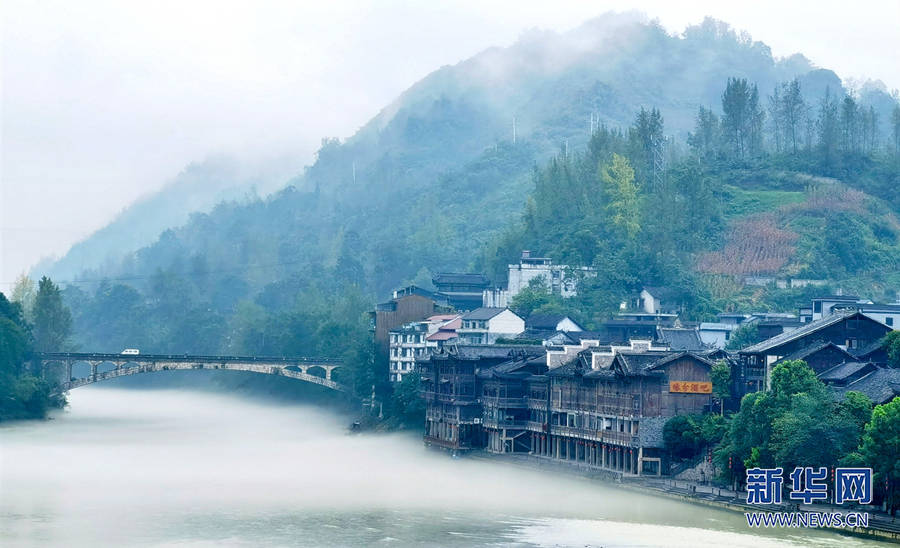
<point>126,467</point>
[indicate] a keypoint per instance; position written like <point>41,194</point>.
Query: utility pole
<point>514,130</point>
<point>354,172</point>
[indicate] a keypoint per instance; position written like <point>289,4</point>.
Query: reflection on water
<point>169,468</point>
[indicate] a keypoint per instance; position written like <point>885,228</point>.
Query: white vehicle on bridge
<point>131,352</point>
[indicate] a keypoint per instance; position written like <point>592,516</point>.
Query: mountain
<point>436,179</point>
<point>196,189</point>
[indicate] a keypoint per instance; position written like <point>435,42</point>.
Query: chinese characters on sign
<point>690,387</point>
<point>809,484</point>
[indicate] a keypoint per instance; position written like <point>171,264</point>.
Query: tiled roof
<point>442,336</point>
<point>545,321</point>
<point>869,349</point>
<point>680,339</point>
<point>442,317</point>
<point>460,278</point>
<point>881,385</point>
<point>842,371</point>
<point>816,346</point>
<point>483,313</point>
<point>639,362</point>
<point>476,351</point>
<point>803,331</point>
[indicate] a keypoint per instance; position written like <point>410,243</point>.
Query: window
<point>889,321</point>
<point>817,307</point>
<point>852,343</point>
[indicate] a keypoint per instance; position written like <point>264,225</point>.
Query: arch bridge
<point>133,364</point>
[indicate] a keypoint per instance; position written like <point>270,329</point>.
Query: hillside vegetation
<point>687,161</point>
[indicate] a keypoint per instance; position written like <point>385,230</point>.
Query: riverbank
<point>881,526</point>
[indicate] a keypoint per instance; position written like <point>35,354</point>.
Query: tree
<point>536,297</point>
<point>895,129</point>
<point>743,337</point>
<point>880,447</point>
<point>891,344</point>
<point>704,141</point>
<point>743,117</point>
<point>621,192</point>
<point>683,435</point>
<point>22,395</point>
<point>721,381</point>
<point>829,130</point>
<point>52,320</point>
<point>797,422</point>
<point>793,113</point>
<point>23,293</point>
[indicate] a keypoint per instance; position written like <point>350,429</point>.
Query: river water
<point>182,468</point>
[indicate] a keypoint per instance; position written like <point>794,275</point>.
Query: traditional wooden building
<point>612,418</point>
<point>409,304</point>
<point>452,388</point>
<point>851,331</point>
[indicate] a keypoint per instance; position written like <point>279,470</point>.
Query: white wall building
<point>486,325</point>
<point>415,341</point>
<point>556,278</point>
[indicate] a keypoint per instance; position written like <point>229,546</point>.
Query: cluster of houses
<point>546,387</point>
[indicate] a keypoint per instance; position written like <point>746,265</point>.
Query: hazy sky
<point>106,101</point>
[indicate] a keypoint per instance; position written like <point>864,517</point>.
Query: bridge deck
<point>148,363</point>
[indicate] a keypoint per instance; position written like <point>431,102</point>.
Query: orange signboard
<point>690,387</point>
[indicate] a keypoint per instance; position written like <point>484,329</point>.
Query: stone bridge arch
<point>109,366</point>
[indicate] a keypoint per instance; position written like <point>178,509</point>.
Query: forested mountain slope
<point>437,182</point>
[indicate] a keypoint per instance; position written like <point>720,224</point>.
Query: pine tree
<point>743,118</point>
<point>52,320</point>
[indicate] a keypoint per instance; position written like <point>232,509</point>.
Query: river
<point>124,467</point>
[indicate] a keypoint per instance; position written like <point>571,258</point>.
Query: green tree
<point>743,336</point>
<point>880,447</point>
<point>891,344</point>
<point>623,203</point>
<point>895,129</point>
<point>706,138</point>
<point>52,320</point>
<point>721,382</point>
<point>683,435</point>
<point>536,298</point>
<point>22,395</point>
<point>24,294</point>
<point>743,117</point>
<point>407,406</point>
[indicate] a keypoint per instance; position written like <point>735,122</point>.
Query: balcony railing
<point>603,436</point>
<point>498,401</point>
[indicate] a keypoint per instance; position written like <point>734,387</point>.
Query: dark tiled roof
<point>667,359</point>
<point>483,313</point>
<point>478,351</point>
<point>869,349</point>
<point>803,331</point>
<point>842,371</point>
<point>639,362</point>
<point>459,278</point>
<point>680,339</point>
<point>545,321</point>
<point>817,346</point>
<point>881,385</point>
<point>519,367</point>
<point>662,292</point>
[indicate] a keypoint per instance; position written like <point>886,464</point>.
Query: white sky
<point>103,102</point>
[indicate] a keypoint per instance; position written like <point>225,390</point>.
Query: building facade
<point>487,325</point>
<point>558,279</point>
